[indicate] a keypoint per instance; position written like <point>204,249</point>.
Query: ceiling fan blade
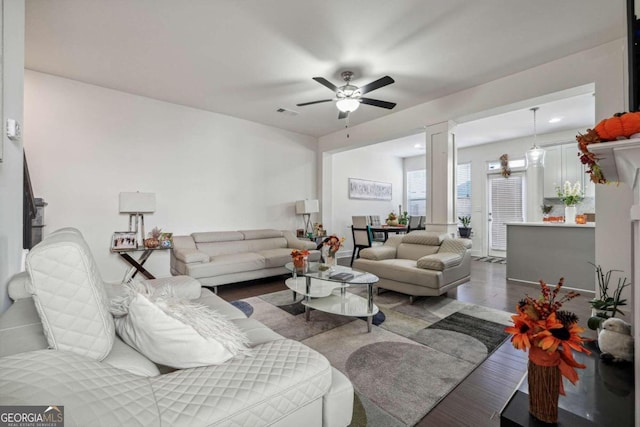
<point>378,103</point>
<point>381,82</point>
<point>343,115</point>
<point>314,102</point>
<point>327,83</point>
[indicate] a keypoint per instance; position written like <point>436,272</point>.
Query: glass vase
<point>301,265</point>
<point>328,258</point>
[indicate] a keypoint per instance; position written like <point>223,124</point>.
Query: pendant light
<point>535,155</point>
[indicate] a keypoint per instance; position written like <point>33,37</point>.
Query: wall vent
<point>287,112</point>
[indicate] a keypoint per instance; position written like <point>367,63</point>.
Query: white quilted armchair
<point>58,346</point>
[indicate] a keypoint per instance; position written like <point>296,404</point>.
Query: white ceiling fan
<point>349,97</point>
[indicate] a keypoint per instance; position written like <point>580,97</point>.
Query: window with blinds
<point>417,192</point>
<point>506,200</point>
<point>463,190</point>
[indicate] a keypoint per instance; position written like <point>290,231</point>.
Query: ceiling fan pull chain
<point>346,125</point>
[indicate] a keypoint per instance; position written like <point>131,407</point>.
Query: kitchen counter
<point>548,251</point>
<point>553,224</point>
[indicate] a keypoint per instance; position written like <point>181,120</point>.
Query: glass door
<point>506,204</point>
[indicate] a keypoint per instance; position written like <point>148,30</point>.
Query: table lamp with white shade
<point>136,204</point>
<point>306,208</point>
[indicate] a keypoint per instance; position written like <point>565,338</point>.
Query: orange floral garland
<point>619,126</point>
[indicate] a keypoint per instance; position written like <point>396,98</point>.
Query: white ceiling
<point>568,113</point>
<point>247,58</point>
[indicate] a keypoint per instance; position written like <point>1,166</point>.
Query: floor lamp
<point>137,204</point>
<point>306,208</point>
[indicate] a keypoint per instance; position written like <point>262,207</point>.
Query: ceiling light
<point>348,105</point>
<point>535,155</point>
<point>555,120</point>
<point>418,146</point>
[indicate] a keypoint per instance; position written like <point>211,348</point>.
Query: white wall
<point>479,155</point>
<point>85,144</point>
<point>11,166</point>
<point>363,164</point>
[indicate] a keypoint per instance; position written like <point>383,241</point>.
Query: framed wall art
<point>369,190</point>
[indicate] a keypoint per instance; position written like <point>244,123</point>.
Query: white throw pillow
<point>174,332</point>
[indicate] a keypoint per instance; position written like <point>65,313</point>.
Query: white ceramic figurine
<point>615,340</point>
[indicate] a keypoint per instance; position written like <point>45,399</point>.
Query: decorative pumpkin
<point>620,125</point>
<point>151,243</point>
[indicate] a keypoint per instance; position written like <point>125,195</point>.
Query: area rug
<point>412,359</point>
<point>493,259</point>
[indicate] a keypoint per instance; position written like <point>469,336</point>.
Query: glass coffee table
<point>327,290</point>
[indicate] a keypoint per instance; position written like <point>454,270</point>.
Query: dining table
<point>386,229</point>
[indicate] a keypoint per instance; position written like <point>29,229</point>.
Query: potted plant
<point>606,305</point>
<point>404,218</point>
<point>465,230</point>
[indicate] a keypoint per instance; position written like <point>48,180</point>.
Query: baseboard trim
<point>538,283</point>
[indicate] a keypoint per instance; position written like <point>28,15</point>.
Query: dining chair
<point>361,235</point>
<point>374,221</point>
<point>414,223</point>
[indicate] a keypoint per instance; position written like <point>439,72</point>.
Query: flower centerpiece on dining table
<point>300,260</point>
<point>570,195</point>
<point>550,335</point>
<point>330,248</point>
<point>392,219</point>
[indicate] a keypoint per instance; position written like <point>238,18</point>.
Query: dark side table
<point>603,396</point>
<point>137,264</point>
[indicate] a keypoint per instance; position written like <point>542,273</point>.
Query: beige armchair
<point>420,263</point>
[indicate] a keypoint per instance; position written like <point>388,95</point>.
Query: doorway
<point>505,204</point>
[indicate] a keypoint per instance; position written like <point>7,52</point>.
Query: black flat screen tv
<point>633,38</point>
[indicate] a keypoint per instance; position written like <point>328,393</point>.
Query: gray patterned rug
<point>408,363</point>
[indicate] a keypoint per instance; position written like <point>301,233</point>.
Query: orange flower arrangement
<point>548,333</point>
<point>298,257</point>
<point>334,242</point>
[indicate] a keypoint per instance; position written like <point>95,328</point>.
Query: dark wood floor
<point>476,401</point>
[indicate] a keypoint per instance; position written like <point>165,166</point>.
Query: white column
<point>635,300</point>
<point>535,193</point>
<point>441,159</point>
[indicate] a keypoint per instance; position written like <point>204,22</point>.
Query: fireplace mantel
<point>620,161</point>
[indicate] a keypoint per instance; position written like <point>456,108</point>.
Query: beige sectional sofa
<point>420,263</point>
<point>58,346</point>
<point>221,257</point>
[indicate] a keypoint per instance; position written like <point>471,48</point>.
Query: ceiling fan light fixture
<point>347,105</point>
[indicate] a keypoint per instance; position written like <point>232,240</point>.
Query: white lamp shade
<point>136,202</point>
<point>307,206</point>
<point>348,105</point>
<point>535,157</point>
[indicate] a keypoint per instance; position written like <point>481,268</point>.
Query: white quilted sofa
<point>58,347</point>
<point>220,257</point>
<point>420,263</point>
